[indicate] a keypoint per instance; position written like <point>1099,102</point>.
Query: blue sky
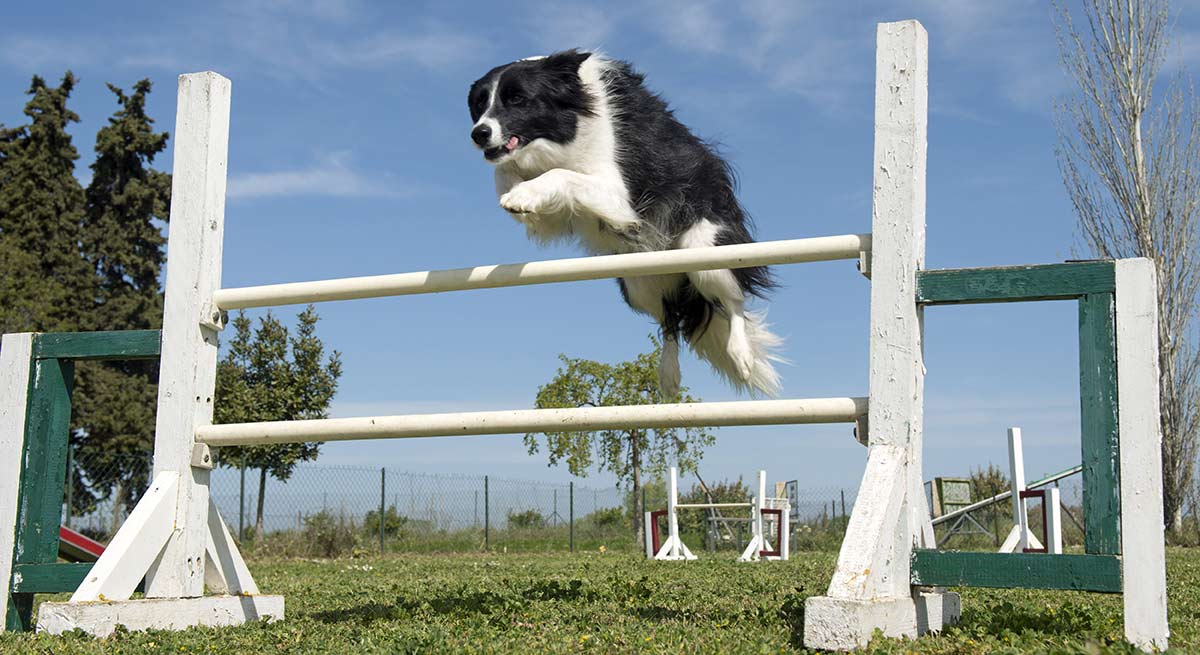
<point>349,156</point>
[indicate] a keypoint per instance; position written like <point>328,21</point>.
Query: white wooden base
<point>100,619</point>
<point>846,624</point>
<point>674,549</point>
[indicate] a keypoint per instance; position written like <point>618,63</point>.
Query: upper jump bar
<point>746,412</point>
<point>794,251</point>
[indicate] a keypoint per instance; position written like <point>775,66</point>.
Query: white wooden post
<point>673,512</point>
<point>1053,521</point>
<point>16,352</point>
<point>870,587</point>
<point>1019,537</point>
<point>176,513</point>
<point>187,373</point>
<point>1143,561</point>
<point>649,534</point>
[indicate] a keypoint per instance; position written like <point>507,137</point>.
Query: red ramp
<point>76,547</point>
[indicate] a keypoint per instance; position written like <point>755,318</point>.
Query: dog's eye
<point>516,99</point>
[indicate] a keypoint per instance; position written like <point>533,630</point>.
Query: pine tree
<point>257,380</point>
<point>42,273</point>
<point>123,248</point>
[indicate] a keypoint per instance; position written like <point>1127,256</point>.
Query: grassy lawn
<point>614,602</point>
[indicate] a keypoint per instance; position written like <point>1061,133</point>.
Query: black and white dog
<point>584,151</point>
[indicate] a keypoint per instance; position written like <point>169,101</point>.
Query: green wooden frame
<point>1093,285</point>
<point>44,459</point>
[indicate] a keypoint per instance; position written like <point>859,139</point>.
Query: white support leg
<point>136,545</point>
<point>225,571</point>
<point>16,354</point>
<point>1143,561</point>
<point>187,373</point>
<point>870,588</point>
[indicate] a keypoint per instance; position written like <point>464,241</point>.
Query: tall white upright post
<point>16,352</point>
<point>1143,561</point>
<point>1053,521</point>
<point>870,587</point>
<point>188,368</point>
<point>174,536</point>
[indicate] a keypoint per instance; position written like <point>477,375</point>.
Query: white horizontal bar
<point>748,412</point>
<point>710,505</point>
<point>743,255</point>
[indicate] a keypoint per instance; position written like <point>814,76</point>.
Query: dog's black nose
<point>481,135</point>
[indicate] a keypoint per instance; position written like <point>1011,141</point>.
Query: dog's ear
<point>565,63</point>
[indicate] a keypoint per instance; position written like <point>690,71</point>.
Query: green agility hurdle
<point>889,575</point>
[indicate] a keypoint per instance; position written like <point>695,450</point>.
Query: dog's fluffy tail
<point>712,346</point>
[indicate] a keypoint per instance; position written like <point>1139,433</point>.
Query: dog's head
<point>519,103</point>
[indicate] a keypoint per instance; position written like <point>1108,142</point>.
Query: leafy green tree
<point>45,278</point>
<point>627,453</point>
<point>123,246</point>
<point>260,380</point>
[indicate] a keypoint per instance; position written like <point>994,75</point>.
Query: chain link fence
<point>333,510</point>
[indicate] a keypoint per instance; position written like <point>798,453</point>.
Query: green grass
<point>614,602</point>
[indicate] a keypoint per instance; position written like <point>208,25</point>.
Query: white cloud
<point>559,27</point>
<point>38,53</point>
<point>331,177</point>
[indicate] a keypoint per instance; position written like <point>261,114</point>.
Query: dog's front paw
<point>525,198</point>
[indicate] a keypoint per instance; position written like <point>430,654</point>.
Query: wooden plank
<point>935,568</point>
<point>1098,414</point>
<point>1144,564</point>
<point>135,546</point>
<point>119,345</point>
<point>49,578</point>
<point>101,619</point>
<point>16,373</point>
<point>45,466</point>
<point>1014,283</point>
<point>187,375</point>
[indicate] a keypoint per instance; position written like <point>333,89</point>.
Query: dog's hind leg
<point>668,366</point>
<point>744,354</point>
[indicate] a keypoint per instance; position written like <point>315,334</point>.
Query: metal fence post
<point>382,501</point>
<point>487,524</point>
<point>843,505</point>
<point>242,502</point>
<point>571,511</point>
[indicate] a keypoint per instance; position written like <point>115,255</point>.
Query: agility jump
<point>888,576</point>
<point>759,548</point>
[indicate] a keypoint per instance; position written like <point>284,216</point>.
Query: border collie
<point>583,151</point>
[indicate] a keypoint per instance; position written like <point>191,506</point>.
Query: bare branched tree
<point>1130,159</point>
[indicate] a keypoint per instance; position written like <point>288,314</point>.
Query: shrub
<point>393,522</point>
<point>330,536</point>
<point>530,518</point>
<point>612,517</point>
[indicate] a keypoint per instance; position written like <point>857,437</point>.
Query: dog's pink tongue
<point>512,143</point>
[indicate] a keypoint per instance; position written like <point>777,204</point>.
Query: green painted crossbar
<point>116,345</point>
<point>936,568</point>
<point>1015,283</point>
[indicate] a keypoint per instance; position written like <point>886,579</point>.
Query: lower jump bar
<point>711,505</point>
<point>575,419</point>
